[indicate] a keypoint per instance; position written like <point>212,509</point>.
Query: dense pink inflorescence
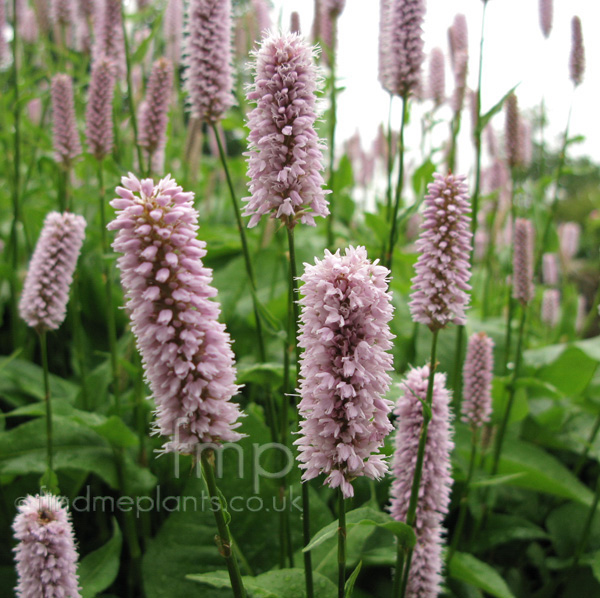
<point>108,34</point>
<point>153,115</point>
<point>550,269</point>
<point>99,122</point>
<point>441,283</point>
<point>46,555</point>
<point>550,307</point>
<point>437,76</point>
<point>66,138</point>
<point>43,303</point>
<point>577,59</point>
<point>285,157</point>
<point>173,30</point>
<point>512,130</point>
<point>546,12</point>
<point>343,372</point>
<point>478,372</point>
<point>436,481</point>
<point>295,23</point>
<point>62,12</point>
<point>401,45</point>
<point>523,288</point>
<point>207,58</point>
<point>185,350</point>
<point>568,238</point>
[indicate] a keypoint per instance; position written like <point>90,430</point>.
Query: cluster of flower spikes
<point>46,556</point>
<point>285,157</point>
<point>186,351</point>
<point>343,372</point>
<point>436,481</point>
<point>478,372</point>
<point>43,303</point>
<point>207,58</point>
<point>442,271</point>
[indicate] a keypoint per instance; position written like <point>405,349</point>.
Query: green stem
<point>399,185</point>
<point>130,99</point>
<point>111,324</point>
<point>332,125</point>
<point>553,207</point>
<point>223,539</point>
<point>341,544</point>
<point>511,393</point>
<point>245,250</point>
<point>458,367</point>
<point>44,350</point>
<point>295,310</point>
<point>403,557</point>
<point>478,131</point>
<point>587,528</point>
<point>462,515</point>
<point>390,165</point>
<point>16,190</point>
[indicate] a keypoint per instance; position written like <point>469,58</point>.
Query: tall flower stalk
<point>402,51</point>
<point>439,297</point>
<point>423,446</point>
<point>186,352</point>
<point>285,164</point>
<point>209,84</point>
<point>43,303</point>
<point>476,411</point>
<point>523,292</point>
<point>99,137</point>
<point>343,374</point>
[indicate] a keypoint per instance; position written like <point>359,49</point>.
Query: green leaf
<point>465,567</point>
<point>264,374</point>
<point>541,472</point>
<point>496,480</point>
<point>281,583</point>
<point>349,588</point>
<point>571,372</point>
<point>404,533</point>
<point>116,432</point>
<point>99,569</point>
<point>484,119</point>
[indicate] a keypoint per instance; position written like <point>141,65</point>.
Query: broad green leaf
<point>99,569</point>
<point>465,567</point>
<point>116,432</point>
<point>496,480</point>
<point>403,532</point>
<point>282,583</point>
<point>571,372</point>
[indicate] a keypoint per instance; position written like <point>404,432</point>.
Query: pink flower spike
<point>207,58</point>
<point>477,374</point>
<point>577,59</point>
<point>546,13</point>
<point>153,112</point>
<point>186,352</point>
<point>46,555</point>
<point>523,288</point>
<point>284,157</point>
<point>436,481</point>
<point>99,122</point>
<point>43,303</point>
<point>345,333</point>
<point>66,138</point>
<point>440,287</point>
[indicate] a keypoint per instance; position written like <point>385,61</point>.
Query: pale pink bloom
<point>477,375</point>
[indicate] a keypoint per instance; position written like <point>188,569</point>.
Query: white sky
<point>515,51</point>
